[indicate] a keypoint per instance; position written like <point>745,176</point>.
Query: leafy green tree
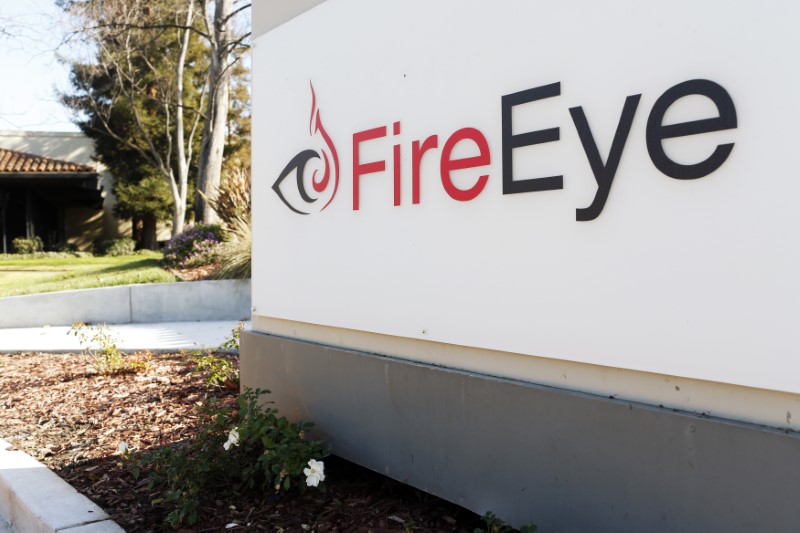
<point>142,87</point>
<point>174,65</point>
<point>145,202</point>
<point>237,147</point>
<point>142,195</point>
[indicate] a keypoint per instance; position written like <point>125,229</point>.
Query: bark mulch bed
<point>57,409</point>
<point>195,273</point>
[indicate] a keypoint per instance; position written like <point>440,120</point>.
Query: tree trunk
<point>136,231</point>
<point>213,140</point>
<point>149,235</point>
<point>184,152</point>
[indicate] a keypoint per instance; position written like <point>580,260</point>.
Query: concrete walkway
<point>164,337</point>
<point>33,498</point>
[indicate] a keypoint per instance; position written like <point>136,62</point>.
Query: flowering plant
<point>314,473</point>
<point>262,450</point>
<point>233,439</point>
<point>196,246</point>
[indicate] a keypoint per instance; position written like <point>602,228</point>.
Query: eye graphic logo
<point>312,192</point>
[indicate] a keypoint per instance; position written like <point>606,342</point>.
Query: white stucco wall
<point>269,14</point>
<point>68,146</point>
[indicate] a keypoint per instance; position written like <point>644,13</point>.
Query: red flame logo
<point>303,201</point>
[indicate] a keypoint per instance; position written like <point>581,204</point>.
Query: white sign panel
<point>613,183</point>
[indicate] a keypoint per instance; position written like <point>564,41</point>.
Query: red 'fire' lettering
<point>418,149</point>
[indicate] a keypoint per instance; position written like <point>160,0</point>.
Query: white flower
<point>233,439</point>
<point>314,473</point>
<point>122,448</point>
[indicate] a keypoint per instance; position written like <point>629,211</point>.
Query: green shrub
<point>197,246</point>
<point>63,247</point>
<point>114,247</point>
<point>245,450</point>
<point>44,255</point>
<point>28,246</point>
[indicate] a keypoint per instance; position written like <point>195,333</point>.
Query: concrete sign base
<point>564,460</point>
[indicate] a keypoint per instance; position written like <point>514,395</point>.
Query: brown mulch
<point>57,409</point>
<point>196,273</point>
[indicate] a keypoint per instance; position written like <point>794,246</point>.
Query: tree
<point>127,35</point>
<point>148,66</point>
<point>224,52</point>
<point>236,156</point>
<point>141,193</point>
<point>145,202</point>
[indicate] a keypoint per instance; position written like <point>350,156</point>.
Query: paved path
<point>170,336</point>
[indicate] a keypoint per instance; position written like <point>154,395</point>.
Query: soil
<point>58,409</point>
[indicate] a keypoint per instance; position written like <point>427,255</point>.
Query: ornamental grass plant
<point>236,251</point>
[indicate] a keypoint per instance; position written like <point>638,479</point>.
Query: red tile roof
<point>12,161</point>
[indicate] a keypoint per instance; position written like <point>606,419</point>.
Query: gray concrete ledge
<point>34,499</point>
<point>142,304</point>
<point>569,462</point>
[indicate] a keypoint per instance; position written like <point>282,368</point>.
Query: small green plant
<point>220,370</point>
<point>22,245</point>
<point>114,247</point>
<point>494,524</point>
<point>63,247</point>
<point>231,343</point>
<point>100,344</point>
<point>246,449</point>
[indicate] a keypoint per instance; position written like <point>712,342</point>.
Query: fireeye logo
<point>323,189</point>
<point>473,176</point>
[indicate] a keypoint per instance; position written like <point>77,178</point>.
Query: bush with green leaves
<point>197,246</point>
<point>22,245</point>
<point>115,247</point>
<point>246,449</point>
<point>63,247</point>
<point>44,255</point>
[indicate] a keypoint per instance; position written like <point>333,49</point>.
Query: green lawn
<point>29,276</point>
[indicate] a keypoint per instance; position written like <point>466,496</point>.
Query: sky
<point>30,74</point>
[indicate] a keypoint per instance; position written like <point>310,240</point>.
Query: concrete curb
<point>126,304</point>
<point>34,499</point>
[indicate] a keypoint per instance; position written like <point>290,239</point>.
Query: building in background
<point>51,187</point>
